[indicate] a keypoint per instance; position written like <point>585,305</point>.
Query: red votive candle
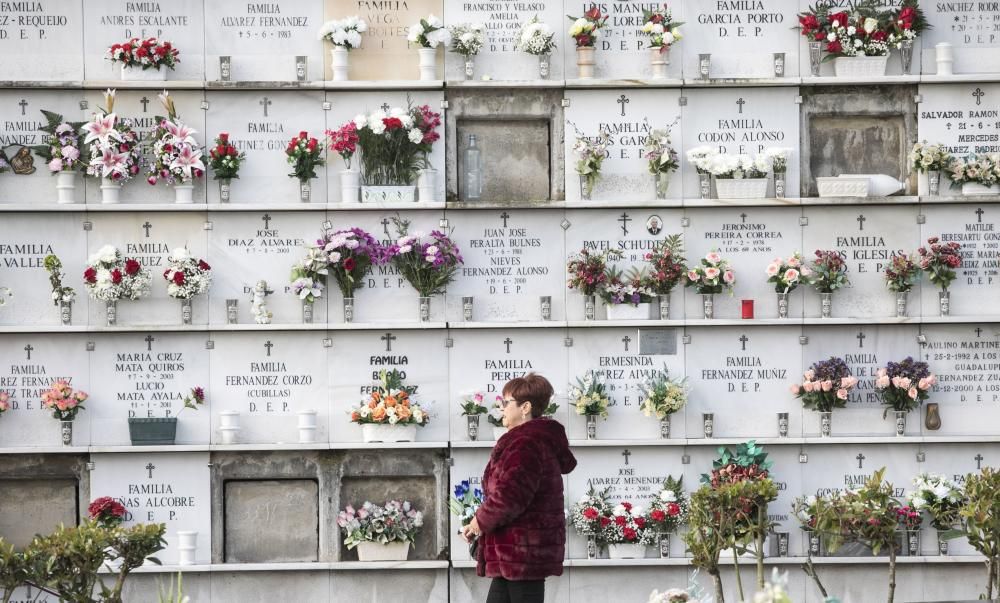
<point>746,308</point>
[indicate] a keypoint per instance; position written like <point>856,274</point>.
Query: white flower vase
<point>184,194</point>
<point>350,185</point>
<point>111,191</point>
<point>825,424</point>
<point>544,66</point>
<point>187,546</point>
<point>741,188</point>
<point>470,67</point>
<point>975,189</point>
<point>900,423</point>
<point>66,188</point>
<point>658,60</point>
<point>428,64</point>
<point>225,190</point>
<point>66,432</point>
<point>229,425</point>
<point>944,56</point>
<point>378,432</point>
<point>136,74</point>
<point>585,62</point>
<point>187,311</point>
<point>339,62</point>
<point>630,550</point>
<point>628,311</point>
<point>376,551</point>
<point>305,191</point>
<point>860,67</point>
<point>307,426</point>
<point>426,181</point>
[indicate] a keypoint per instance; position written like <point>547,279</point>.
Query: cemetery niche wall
<point>523,150</point>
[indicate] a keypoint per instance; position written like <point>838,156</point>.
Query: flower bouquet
<point>65,403</point>
<point>712,276</point>
<point>428,34</point>
<point>309,279</point>
<point>667,268</point>
<point>778,158</point>
<point>829,273</point>
<point>110,277</point>
<point>351,252</point>
<point>107,512</point>
<point>186,277</point>
<point>942,499</point>
<point>939,260</point>
<point>825,386</point>
<point>304,155</point>
<point>4,402</point>
<point>814,25</point>
<point>467,40</point>
<point>628,532</point>
<point>904,27</point>
<point>176,154</point>
<point>976,174</point>
<point>588,273</point>
<point>590,399</point>
<point>903,386</point>
<point>589,516</point>
<point>663,32</point>
<point>162,431</point>
<point>345,35</point>
<point>786,275</point>
<point>667,512</point>
<point>465,502</point>
<point>390,414</point>
<point>858,42</point>
<point>700,158</point>
<point>62,295</point>
<point>627,296</point>
<point>929,160</point>
<point>344,141</point>
<point>380,533</point>
<point>900,277</point>
<point>61,153</point>
<point>429,264</point>
<point>590,155</point>
<point>115,155</point>
<point>584,32</point>
<point>662,397</point>
<point>144,59</point>
<point>739,176</point>
<point>538,39</point>
<point>662,160</point>
<point>225,161</point>
<point>472,408</point>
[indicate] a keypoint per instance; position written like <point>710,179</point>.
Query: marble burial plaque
<point>633,231</point>
<point>735,369</point>
<point>168,487</point>
<point>180,22</point>
<point>347,105</point>
<point>749,239</point>
<point>964,359</point>
<point>249,247</point>
<point>867,238</point>
<point>502,22</point>
<point>28,366</point>
<point>148,376</point>
<point>27,240</point>
<point>20,119</point>
<point>41,40</point>
<point>865,349</point>
<point>741,121</point>
<point>469,465</point>
<point>268,378</point>
<point>614,353</point>
<point>628,117</point>
<point>263,39</point>
<point>849,466</point>
<point>974,292</point>
<point>742,37</point>
<point>150,238</point>
<point>261,124</point>
<point>970,27</point>
<point>357,358</point>
<point>963,117</point>
<point>512,258</point>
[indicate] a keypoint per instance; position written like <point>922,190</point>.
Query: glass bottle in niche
<point>473,171</point>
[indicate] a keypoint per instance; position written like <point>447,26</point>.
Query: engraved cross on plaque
<point>979,461</point>
<point>979,215</point>
<point>626,453</point>
<point>267,221</point>
<point>28,348</point>
<point>861,221</point>
<point>504,216</point>
<point>978,332</point>
<point>23,104</point>
<point>626,340</point>
<point>507,343</point>
<point>743,218</point>
<point>264,102</point>
<point>624,219</point>
<point>861,459</point>
<point>740,102</point>
<point>385,107</point>
<point>743,341</point>
<point>145,103</point>
<point>149,343</point>
<point>979,94</point>
<point>146,227</point>
<point>385,226</point>
<point>388,338</point>
<point>149,468</point>
<point>268,345</point>
<point>861,339</point>
<point>622,100</point>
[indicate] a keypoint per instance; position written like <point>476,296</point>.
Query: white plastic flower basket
<point>741,188</point>
<point>375,432</point>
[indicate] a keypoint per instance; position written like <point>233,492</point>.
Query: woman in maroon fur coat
<point>521,525</point>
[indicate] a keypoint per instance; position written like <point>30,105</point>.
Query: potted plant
<point>588,272</point>
<point>304,155</point>
<point>976,175</point>
<point>667,268</point>
<point>661,159</point>
<point>390,414</point>
<point>309,279</point>
<point>942,500</point>
<point>467,40</point>
<point>351,253</point>
<point>739,176</point>
<point>903,386</point>
<point>145,60</point>
<point>663,33</point>
<point>825,386</point>
<point>627,296</point>
<point>114,152</point>
<point>829,273</point>
<point>786,275</point>
<point>628,534</point>
<point>537,38</point>
<point>712,276</point>
<point>61,153</point>
<point>186,277</point>
<point>472,409</point>
<point>428,34</point>
<point>344,141</point>
<point>429,264</point>
<point>589,516</point>
<point>900,276</point>
<point>225,161</point>
<point>584,32</point>
<point>162,431</point>
<point>590,398</point>
<point>65,403</point>
<point>662,397</point>
<point>62,296</point>
<point>345,35</point>
<point>667,512</point>
<point>928,161</point>
<point>981,520</point>
<point>381,533</point>
<point>590,156</point>
<point>939,260</point>
<point>110,277</point>
<point>176,154</point>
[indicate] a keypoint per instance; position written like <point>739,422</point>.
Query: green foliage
<point>981,516</point>
<point>746,455</point>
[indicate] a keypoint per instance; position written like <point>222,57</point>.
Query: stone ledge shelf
<point>844,81</point>
<point>686,561</point>
<point>312,566</point>
<point>176,328</point>
<point>744,82</point>
<point>770,441</point>
<point>218,207</point>
<point>178,448</point>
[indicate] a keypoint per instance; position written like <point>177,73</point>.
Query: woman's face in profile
<point>513,411</point>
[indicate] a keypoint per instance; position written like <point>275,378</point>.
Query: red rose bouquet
<point>304,155</point>
<point>150,53</point>
<point>110,276</point>
<point>585,29</point>
<point>224,159</point>
<point>939,261</point>
<point>186,276</point>
<point>668,510</point>
<point>107,511</point>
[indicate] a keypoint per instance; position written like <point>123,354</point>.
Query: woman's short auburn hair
<point>531,388</point>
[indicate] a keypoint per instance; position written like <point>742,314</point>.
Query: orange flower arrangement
<point>391,403</point>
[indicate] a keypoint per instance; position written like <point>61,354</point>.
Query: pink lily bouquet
<point>177,157</point>
<point>115,153</point>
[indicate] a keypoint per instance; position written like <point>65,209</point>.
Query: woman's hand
<point>471,531</point>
